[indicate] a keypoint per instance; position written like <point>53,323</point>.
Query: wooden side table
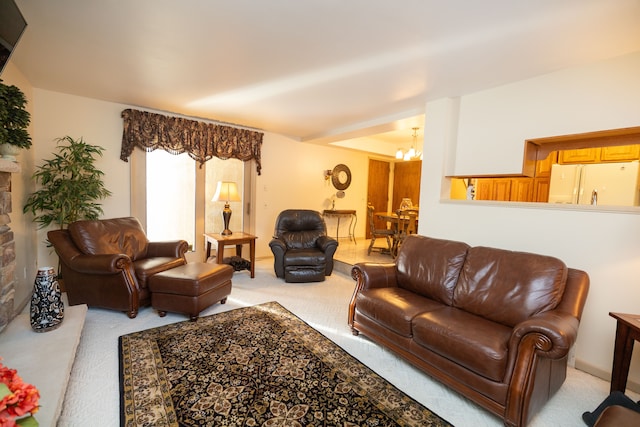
<point>238,239</point>
<point>353,220</point>
<point>627,332</point>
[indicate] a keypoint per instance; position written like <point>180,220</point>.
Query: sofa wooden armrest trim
<point>558,331</point>
<point>367,276</point>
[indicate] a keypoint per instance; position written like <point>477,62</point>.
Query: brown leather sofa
<point>302,251</point>
<point>107,263</point>
<point>492,324</point>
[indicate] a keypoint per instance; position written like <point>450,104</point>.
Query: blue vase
<point>47,308</point>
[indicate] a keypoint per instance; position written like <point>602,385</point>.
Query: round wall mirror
<point>341,177</point>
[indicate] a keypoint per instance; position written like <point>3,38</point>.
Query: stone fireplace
<point>7,245</point>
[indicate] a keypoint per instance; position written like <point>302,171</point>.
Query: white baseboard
<point>602,374</point>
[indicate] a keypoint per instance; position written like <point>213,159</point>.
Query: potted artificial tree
<point>14,120</point>
<point>70,185</point>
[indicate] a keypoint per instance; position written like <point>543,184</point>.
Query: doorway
<point>378,191</point>
<point>406,182</point>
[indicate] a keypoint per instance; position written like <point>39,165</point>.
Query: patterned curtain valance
<point>202,141</point>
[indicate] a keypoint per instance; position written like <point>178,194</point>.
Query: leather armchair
<point>107,263</point>
<point>301,248</point>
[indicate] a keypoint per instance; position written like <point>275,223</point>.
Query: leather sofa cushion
<point>110,236</point>
<point>430,267</point>
<point>478,344</point>
<point>394,308</point>
<point>509,287</point>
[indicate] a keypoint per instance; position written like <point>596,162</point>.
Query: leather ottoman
<point>190,288</point>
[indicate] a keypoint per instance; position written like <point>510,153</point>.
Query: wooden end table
<point>353,220</point>
<point>238,239</point>
<point>627,332</point>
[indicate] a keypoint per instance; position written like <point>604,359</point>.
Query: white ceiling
<point>316,70</point>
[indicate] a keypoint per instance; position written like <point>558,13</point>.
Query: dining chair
<point>407,224</point>
<point>411,223</point>
<point>385,233</point>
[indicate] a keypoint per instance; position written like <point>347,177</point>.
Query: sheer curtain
<point>171,197</point>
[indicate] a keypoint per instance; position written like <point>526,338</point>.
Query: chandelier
<point>411,154</point>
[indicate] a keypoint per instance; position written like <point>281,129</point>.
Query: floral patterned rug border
<point>254,366</point>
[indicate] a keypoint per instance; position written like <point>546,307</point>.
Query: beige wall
<point>584,99</point>
<point>292,178</point>
<point>603,243</point>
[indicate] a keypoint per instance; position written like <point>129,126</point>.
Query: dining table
<point>390,217</point>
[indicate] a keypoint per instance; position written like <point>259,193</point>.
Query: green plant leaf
<point>27,422</point>
<point>14,118</point>
<point>70,184</point>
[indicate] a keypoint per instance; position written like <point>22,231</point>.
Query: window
<point>171,196</point>
<point>222,170</point>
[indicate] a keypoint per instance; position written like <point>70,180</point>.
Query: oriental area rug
<point>254,366</point>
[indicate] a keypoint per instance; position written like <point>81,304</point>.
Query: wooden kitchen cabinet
<point>508,189</point>
<point>616,153</point>
<point>501,189</point>
<point>543,167</point>
<point>484,189</point>
<point>505,189</point>
<point>521,190</point>
<point>620,153</point>
<point>580,155</point>
<point>541,189</point>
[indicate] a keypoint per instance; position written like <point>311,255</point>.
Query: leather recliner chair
<point>107,263</point>
<point>302,250</point>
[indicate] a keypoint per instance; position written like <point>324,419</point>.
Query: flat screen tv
<point>12,25</point>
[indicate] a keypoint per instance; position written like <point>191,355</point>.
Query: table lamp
<point>226,192</point>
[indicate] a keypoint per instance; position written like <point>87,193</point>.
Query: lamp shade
<point>226,191</point>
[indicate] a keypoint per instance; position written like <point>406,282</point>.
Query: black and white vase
<point>47,308</point>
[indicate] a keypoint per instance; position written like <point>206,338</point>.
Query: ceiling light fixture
<point>411,154</point>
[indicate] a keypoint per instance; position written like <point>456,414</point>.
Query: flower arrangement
<point>18,400</point>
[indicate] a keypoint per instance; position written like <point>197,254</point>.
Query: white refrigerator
<point>608,184</point>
